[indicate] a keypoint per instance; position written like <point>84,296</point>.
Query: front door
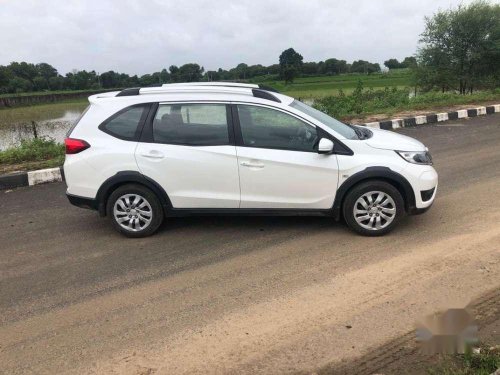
<point>278,162</point>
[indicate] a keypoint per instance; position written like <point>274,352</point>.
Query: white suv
<point>140,155</point>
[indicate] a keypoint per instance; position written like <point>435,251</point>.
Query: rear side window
<point>191,124</point>
<point>126,124</point>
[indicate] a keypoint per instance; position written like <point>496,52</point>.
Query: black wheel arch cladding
<point>375,173</point>
<point>126,177</point>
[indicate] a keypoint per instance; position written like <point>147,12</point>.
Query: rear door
<point>190,153</point>
<point>278,162</point>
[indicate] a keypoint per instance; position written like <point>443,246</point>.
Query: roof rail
<point>129,92</point>
<point>268,88</point>
<point>223,84</point>
<point>258,91</point>
<point>263,94</point>
<point>213,84</point>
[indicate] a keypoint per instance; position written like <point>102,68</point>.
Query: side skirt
<point>178,212</point>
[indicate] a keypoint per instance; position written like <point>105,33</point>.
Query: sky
<point>144,36</point>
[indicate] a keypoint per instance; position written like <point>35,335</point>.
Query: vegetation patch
<point>40,149</point>
<point>390,100</point>
<point>484,362</point>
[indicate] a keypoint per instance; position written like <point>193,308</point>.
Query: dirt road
<point>243,295</point>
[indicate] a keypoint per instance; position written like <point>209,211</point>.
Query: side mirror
<point>325,146</point>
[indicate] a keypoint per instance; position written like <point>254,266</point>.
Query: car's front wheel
<point>134,210</point>
<point>373,208</point>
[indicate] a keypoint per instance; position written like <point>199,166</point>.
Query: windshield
<point>341,128</point>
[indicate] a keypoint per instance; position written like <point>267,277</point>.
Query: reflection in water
<point>52,120</point>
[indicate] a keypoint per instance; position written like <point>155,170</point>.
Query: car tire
<point>134,210</point>
<point>373,208</point>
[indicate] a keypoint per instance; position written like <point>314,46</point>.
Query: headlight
<point>419,157</point>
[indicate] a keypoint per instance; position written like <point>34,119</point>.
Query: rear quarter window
<point>127,123</point>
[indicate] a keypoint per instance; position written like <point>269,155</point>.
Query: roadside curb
<point>433,118</point>
<point>41,176</point>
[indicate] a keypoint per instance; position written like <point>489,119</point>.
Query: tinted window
<point>125,124</point>
<point>191,124</point>
<point>269,128</point>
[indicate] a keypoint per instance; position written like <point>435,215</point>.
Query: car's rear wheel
<point>373,208</point>
<point>134,210</point>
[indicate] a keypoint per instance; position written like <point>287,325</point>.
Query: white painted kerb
<point>44,175</point>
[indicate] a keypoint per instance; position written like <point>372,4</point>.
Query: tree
<point>409,62</point>
<point>392,64</point>
<point>47,71</point>
<point>164,76</point>
<point>289,74</point>
<point>310,68</point>
<point>174,73</point>
<point>191,73</point>
<point>362,66</point>
<point>56,83</point>
<point>460,48</point>
<point>40,83</point>
<point>5,76</point>
<point>109,79</point>
<point>18,84</point>
<point>240,71</point>
<point>290,64</point>
<point>24,70</point>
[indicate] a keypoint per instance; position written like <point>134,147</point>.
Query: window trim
<point>148,136</point>
<point>145,111</point>
<point>339,147</point>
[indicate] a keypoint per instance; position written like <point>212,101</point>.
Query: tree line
<point>18,77</point>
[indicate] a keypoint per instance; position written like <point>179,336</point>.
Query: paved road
<point>242,295</point>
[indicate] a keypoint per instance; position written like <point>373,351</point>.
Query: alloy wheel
<point>374,210</point>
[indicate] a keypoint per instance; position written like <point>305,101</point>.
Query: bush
<point>363,102</point>
<point>33,150</point>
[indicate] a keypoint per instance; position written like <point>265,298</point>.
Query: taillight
<point>74,146</point>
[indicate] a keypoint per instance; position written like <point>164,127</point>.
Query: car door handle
<point>153,155</point>
<point>252,165</point>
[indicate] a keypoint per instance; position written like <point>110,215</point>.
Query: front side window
<point>125,124</point>
<point>268,128</point>
<point>336,125</point>
<point>191,124</point>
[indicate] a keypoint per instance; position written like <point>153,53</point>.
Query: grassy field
<point>317,87</point>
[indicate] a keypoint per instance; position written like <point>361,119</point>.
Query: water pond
<point>49,120</point>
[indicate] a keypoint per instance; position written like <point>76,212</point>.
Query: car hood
<point>388,140</point>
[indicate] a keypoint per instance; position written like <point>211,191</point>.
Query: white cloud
<point>140,37</point>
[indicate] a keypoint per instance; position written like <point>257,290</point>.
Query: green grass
<point>484,363</point>
<point>321,86</point>
<point>36,150</point>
